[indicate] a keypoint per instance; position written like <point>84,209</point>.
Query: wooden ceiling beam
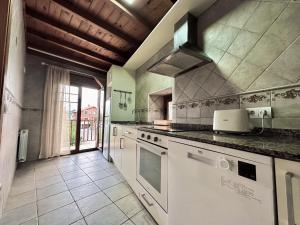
<point>134,14</point>
<point>74,32</point>
<point>97,21</point>
<point>72,47</point>
<point>66,57</point>
<point>63,62</point>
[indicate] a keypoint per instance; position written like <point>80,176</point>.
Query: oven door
<point>152,167</point>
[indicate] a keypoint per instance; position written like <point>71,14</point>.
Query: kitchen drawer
<point>129,132</point>
<point>151,205</point>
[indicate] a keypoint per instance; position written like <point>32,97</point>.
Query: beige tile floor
<point>82,189</point>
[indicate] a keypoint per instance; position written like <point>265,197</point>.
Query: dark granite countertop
<point>285,147</point>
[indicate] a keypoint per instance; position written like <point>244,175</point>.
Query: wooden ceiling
<point>93,34</point>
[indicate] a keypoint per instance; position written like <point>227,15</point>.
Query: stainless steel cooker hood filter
<point>185,55</point>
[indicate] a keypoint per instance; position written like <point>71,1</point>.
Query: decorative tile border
<point>193,104</point>
<point>254,98</point>
<point>208,102</point>
<point>227,101</point>
<point>287,94</point>
<point>181,106</point>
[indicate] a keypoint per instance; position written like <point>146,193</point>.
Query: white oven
<point>152,167</point>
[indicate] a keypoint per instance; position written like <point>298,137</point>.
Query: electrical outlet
<point>260,112</point>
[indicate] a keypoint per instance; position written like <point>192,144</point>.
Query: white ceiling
<point>163,32</point>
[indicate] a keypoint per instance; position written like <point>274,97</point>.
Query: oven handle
<point>155,149</point>
<point>146,200</point>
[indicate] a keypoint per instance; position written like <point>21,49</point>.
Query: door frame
<point>4,39</point>
<point>78,124</point>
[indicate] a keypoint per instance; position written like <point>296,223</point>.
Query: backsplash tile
<point>213,83</point>
<point>261,99</point>
<point>286,103</point>
<point>250,53</point>
<point>227,65</point>
<point>254,45</point>
<point>228,103</point>
<point>243,43</point>
<point>284,123</point>
<point>264,15</point>
<point>181,111</point>
<point>207,108</point>
<point>193,110</point>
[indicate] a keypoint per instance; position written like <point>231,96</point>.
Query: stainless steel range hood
<point>185,55</point>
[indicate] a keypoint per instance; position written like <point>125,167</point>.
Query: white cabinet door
<point>288,191</point>
<point>112,140</point>
<point>129,161</point>
<point>118,146</point>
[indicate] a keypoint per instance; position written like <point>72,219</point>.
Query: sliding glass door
<point>71,104</point>
<point>89,118</point>
<point>85,113</point>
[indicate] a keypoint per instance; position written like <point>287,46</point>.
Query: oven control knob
<point>155,139</point>
<point>148,137</point>
<point>142,135</point>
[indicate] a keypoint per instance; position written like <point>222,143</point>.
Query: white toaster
<point>233,120</point>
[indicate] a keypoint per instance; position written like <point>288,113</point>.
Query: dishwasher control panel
<point>241,168</point>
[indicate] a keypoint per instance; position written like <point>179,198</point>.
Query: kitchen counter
<point>131,124</point>
<point>284,147</point>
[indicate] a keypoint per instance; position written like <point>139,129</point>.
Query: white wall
<point>13,100</point>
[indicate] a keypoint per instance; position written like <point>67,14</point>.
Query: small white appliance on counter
<point>233,120</point>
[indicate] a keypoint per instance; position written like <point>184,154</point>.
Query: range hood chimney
<point>185,55</point>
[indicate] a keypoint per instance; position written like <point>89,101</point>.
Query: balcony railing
<point>88,132</point>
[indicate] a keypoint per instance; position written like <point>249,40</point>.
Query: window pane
<point>73,98</point>
<point>150,168</point>
<point>73,90</point>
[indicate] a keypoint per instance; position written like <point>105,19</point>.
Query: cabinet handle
<point>115,131</point>
<point>202,159</point>
<point>289,198</point>
<point>121,143</point>
<point>127,132</point>
<point>146,200</point>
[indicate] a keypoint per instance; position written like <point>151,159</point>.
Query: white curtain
<point>55,125</point>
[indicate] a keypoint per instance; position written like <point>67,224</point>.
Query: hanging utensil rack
<point>120,91</point>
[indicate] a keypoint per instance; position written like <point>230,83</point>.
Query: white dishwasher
<point>213,185</point>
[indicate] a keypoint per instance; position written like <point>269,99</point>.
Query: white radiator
<point>23,145</point>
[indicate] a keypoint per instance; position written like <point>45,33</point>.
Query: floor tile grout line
<point>96,210</point>
<point>36,205</point>
<point>107,169</point>
<point>52,195</point>
<point>55,209</point>
<point>93,181</point>
<point>73,197</point>
<point>87,195</point>
<point>108,187</point>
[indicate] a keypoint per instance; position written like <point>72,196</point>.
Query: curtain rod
<point>76,72</point>
<point>64,58</point>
